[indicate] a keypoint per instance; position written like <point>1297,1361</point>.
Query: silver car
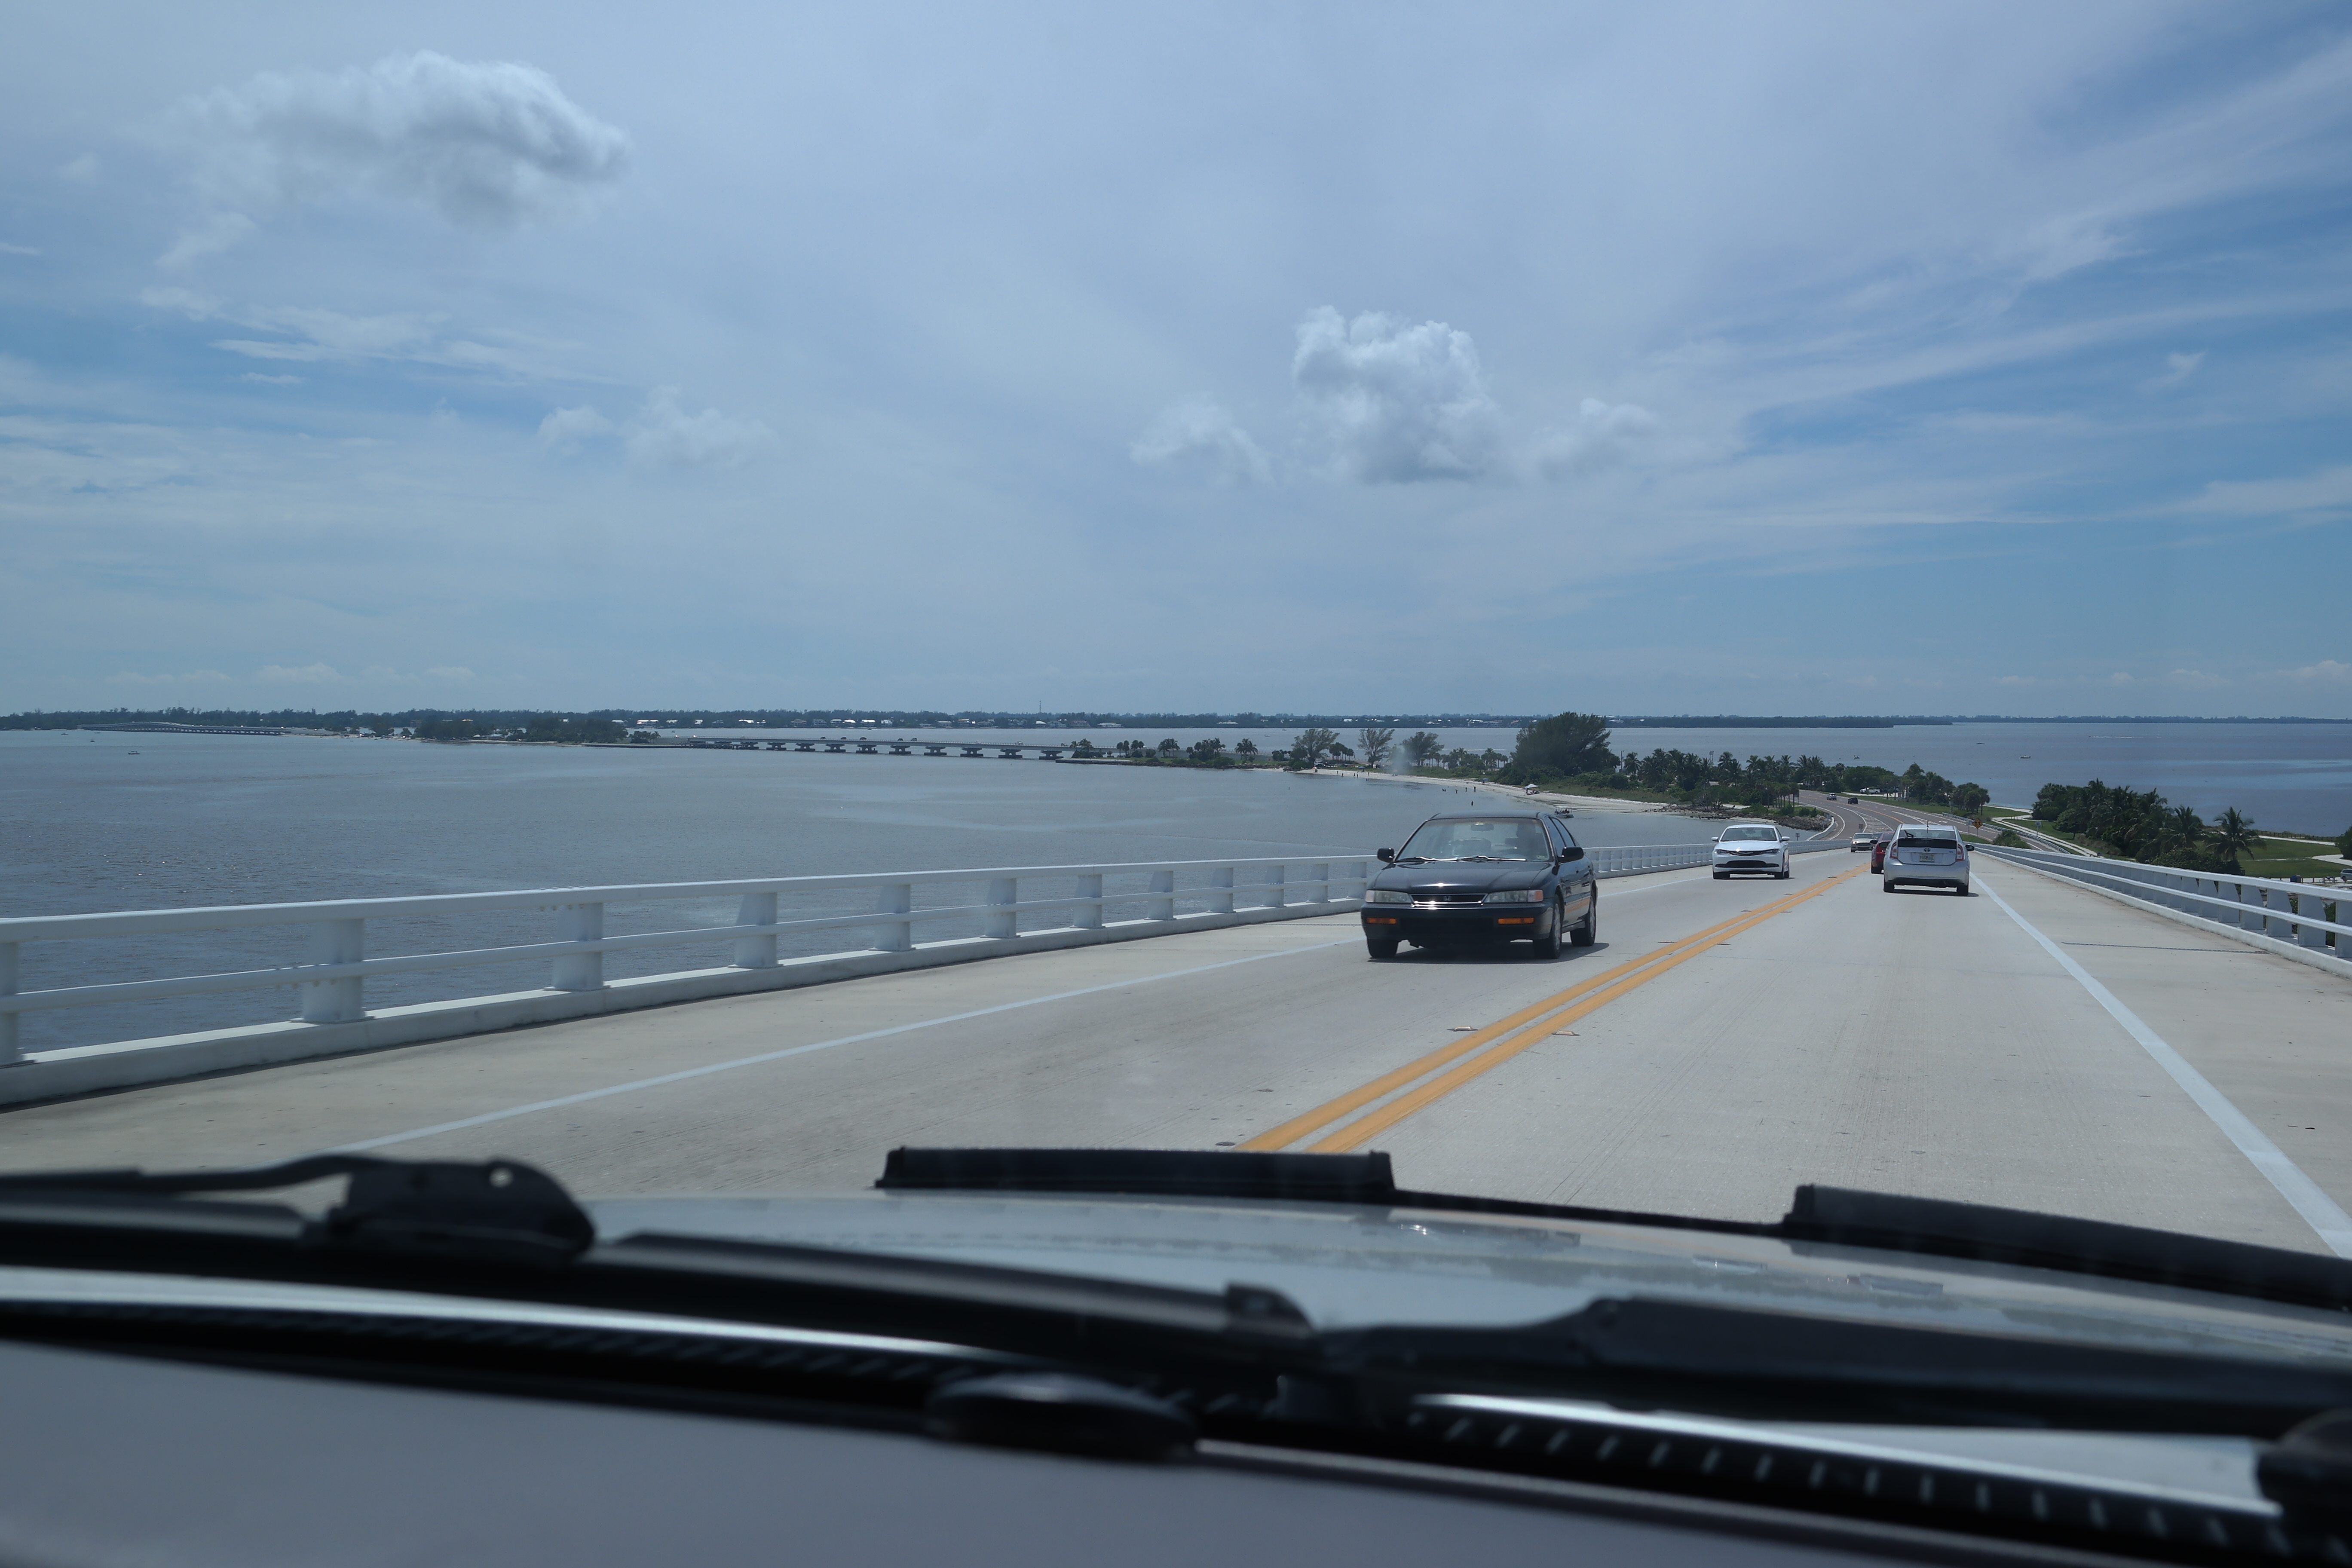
<point>1925,857</point>
<point>1750,847</point>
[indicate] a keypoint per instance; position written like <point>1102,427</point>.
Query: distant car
<point>1922,857</point>
<point>1862,841</point>
<point>1878,850</point>
<point>1750,847</point>
<point>1462,882</point>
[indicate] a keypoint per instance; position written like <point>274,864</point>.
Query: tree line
<point>2139,825</point>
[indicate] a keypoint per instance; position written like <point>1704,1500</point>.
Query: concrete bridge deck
<point>1919,1043</point>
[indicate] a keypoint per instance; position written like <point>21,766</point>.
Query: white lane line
<point>2333,1225</point>
<point>634,1084</point>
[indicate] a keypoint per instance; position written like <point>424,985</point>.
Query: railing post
<point>11,1042</point>
<point>1090,917</point>
<point>334,1001</point>
<point>896,936</point>
<point>1221,890</point>
<point>756,952</point>
<point>1006,891</point>
<point>1162,906</point>
<point>1322,883</point>
<point>1275,895</point>
<point>579,971</point>
<point>2308,906</point>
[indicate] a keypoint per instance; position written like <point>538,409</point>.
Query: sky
<point>1792,358</point>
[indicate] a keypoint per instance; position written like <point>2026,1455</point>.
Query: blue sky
<point>1674,358</point>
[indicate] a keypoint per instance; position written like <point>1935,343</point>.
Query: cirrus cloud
<point>662,434</point>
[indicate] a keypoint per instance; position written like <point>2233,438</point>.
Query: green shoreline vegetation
<point>1566,753</point>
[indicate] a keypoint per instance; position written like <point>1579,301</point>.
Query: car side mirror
<point>1573,852</point>
<point>1387,856</point>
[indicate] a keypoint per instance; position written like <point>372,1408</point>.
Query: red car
<point>1878,853</point>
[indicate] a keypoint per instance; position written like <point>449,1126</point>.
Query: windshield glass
<point>697,595</point>
<point>1472,839</point>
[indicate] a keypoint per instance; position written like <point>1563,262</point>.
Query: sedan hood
<point>1462,876</point>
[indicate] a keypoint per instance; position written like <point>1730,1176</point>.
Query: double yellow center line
<point>1517,1032</point>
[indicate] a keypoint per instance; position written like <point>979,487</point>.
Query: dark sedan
<point>1461,882</point>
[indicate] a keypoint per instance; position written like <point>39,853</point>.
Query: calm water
<point>87,826</point>
<point>2292,777</point>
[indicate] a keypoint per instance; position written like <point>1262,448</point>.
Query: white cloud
<point>212,233</point>
<point>2119,678</point>
<point>2178,369</point>
<point>569,429</point>
<point>664,433</point>
<point>482,143</point>
<point>1397,404</point>
<point>1603,434</point>
<point>185,678</point>
<point>271,380</point>
<point>2333,671</point>
<point>196,307</point>
<point>2326,491</point>
<point>1199,435</point>
<point>299,675</point>
<point>8,249</point>
<point>455,674</point>
<point>2196,679</point>
<point>308,335</point>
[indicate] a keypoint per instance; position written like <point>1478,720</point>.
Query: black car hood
<point>1462,876</point>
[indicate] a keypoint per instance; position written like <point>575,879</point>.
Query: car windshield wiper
<point>1817,1216</point>
<point>503,1230</point>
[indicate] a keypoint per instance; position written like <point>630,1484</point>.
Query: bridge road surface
<point>1918,1043</point>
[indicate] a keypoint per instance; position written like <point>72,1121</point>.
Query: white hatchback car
<point>1925,857</point>
<point>1750,847</point>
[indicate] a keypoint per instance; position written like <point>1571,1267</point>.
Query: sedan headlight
<point>1387,896</point>
<point>1518,896</point>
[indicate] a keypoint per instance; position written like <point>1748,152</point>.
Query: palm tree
<point>1310,745</point>
<point>2231,833</point>
<point>2185,828</point>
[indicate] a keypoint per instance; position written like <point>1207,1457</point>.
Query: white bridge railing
<point>335,969</point>
<point>2319,918</point>
<point>328,956</point>
<point>1631,859</point>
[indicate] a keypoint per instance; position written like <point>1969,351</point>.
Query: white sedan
<point>1750,847</point>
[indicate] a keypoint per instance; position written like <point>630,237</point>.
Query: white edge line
<point>634,1084</point>
<point>2320,1211</point>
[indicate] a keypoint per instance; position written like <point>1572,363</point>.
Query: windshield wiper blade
<point>1817,1217</point>
<point>463,1229</point>
<point>493,1210</point>
<point>1144,1173</point>
<point>1762,1363</point>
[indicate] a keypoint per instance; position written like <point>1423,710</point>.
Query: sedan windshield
<point>1467,838</point>
<point>1750,833</point>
